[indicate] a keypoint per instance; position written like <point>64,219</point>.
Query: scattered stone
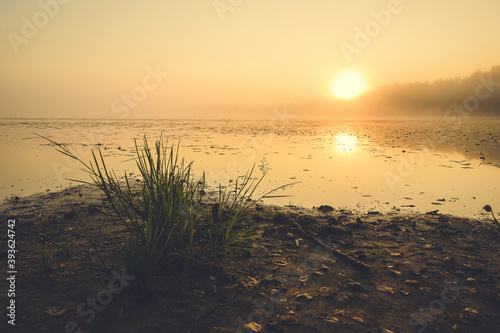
<point>395,272</point>
<point>56,311</point>
<point>326,291</point>
<point>304,278</point>
<point>281,263</point>
<point>325,208</point>
<point>331,319</point>
<point>358,319</point>
<point>304,297</point>
<point>252,327</point>
<point>469,316</point>
<point>411,282</point>
<point>385,289</point>
<point>288,320</point>
<point>354,285</point>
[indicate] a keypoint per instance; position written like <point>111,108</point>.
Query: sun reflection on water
<point>346,142</point>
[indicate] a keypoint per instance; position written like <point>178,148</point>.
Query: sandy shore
<point>434,272</point>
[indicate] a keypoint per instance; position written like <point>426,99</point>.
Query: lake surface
<point>383,166</point>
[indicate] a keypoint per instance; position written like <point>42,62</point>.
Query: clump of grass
<point>489,210</point>
<point>164,218</point>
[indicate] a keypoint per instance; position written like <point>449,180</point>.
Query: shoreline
<point>211,192</point>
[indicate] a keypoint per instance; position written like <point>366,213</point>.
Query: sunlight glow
<point>346,142</point>
<point>348,84</point>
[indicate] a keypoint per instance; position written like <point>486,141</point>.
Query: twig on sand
<point>342,255</point>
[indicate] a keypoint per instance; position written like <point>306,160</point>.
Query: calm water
<point>360,165</point>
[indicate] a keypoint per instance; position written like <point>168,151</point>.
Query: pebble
<point>252,327</point>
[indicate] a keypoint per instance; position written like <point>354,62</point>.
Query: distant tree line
<point>481,90</point>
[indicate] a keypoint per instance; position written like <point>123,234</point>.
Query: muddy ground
<point>430,272</point>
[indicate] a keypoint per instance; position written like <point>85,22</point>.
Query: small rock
<point>358,319</point>
<point>325,208</point>
<point>281,263</point>
<point>411,282</point>
<point>355,285</point>
<point>385,289</point>
<point>469,316</point>
<point>288,320</point>
<point>304,278</point>
<point>304,297</point>
<point>395,272</point>
<point>331,319</point>
<point>385,330</point>
<point>56,311</point>
<point>252,327</point>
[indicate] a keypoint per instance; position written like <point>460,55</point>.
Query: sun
<point>348,84</point>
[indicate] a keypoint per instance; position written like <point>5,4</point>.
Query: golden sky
<point>110,59</point>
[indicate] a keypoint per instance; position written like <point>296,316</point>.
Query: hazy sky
<point>89,58</point>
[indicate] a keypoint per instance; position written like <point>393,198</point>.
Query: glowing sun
<point>348,84</point>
